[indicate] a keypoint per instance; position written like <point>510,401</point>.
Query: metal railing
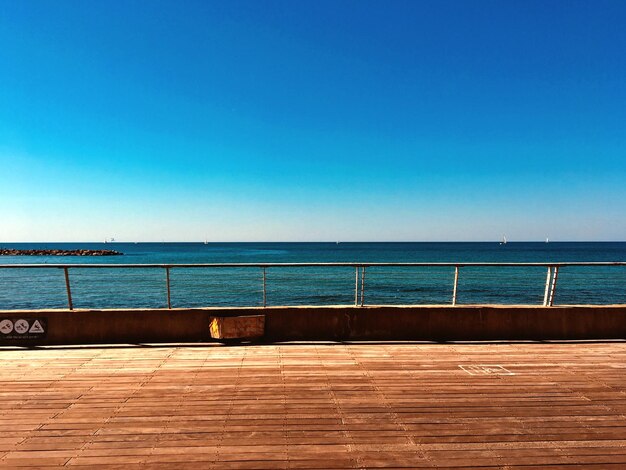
<point>359,269</point>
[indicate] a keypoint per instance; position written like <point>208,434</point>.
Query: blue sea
<point>192,287</point>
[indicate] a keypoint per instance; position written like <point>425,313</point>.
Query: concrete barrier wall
<point>430,323</point>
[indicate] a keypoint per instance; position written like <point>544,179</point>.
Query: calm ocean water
<point>100,288</point>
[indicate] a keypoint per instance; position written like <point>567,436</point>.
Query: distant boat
<point>206,242</point>
<point>547,240</point>
<point>503,242</point>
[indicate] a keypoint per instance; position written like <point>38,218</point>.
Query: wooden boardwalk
<point>315,406</point>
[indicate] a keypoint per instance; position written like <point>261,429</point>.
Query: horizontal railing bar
<point>298,265</point>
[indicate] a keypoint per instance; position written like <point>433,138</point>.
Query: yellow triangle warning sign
<point>36,328</point>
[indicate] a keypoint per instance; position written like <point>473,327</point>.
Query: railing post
<point>362,285</point>
<point>68,289</point>
<point>456,283</point>
<point>547,289</point>
<point>555,276</point>
<point>356,286</point>
<point>167,282</point>
<point>264,289</point>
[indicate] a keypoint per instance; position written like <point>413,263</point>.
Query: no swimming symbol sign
<point>22,328</point>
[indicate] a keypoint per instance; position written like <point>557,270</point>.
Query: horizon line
<point>322,241</point>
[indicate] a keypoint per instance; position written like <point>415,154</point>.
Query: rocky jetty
<point>57,252</point>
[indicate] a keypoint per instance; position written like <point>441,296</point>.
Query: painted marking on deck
<point>486,369</point>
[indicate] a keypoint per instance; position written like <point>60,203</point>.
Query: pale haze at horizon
<point>312,121</point>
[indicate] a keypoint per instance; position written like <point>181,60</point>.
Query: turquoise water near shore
<point>102,288</point>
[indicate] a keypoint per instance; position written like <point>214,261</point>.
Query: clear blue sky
<point>312,120</point>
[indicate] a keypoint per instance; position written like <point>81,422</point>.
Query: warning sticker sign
<point>36,327</point>
<point>6,327</point>
<point>23,328</point>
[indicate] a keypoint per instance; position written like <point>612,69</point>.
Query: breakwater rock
<point>57,252</point>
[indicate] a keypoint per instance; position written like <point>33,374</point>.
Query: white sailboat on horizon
<point>503,242</point>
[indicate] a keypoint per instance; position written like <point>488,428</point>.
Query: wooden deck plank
<point>315,406</point>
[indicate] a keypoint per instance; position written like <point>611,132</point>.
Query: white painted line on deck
<point>486,369</point>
